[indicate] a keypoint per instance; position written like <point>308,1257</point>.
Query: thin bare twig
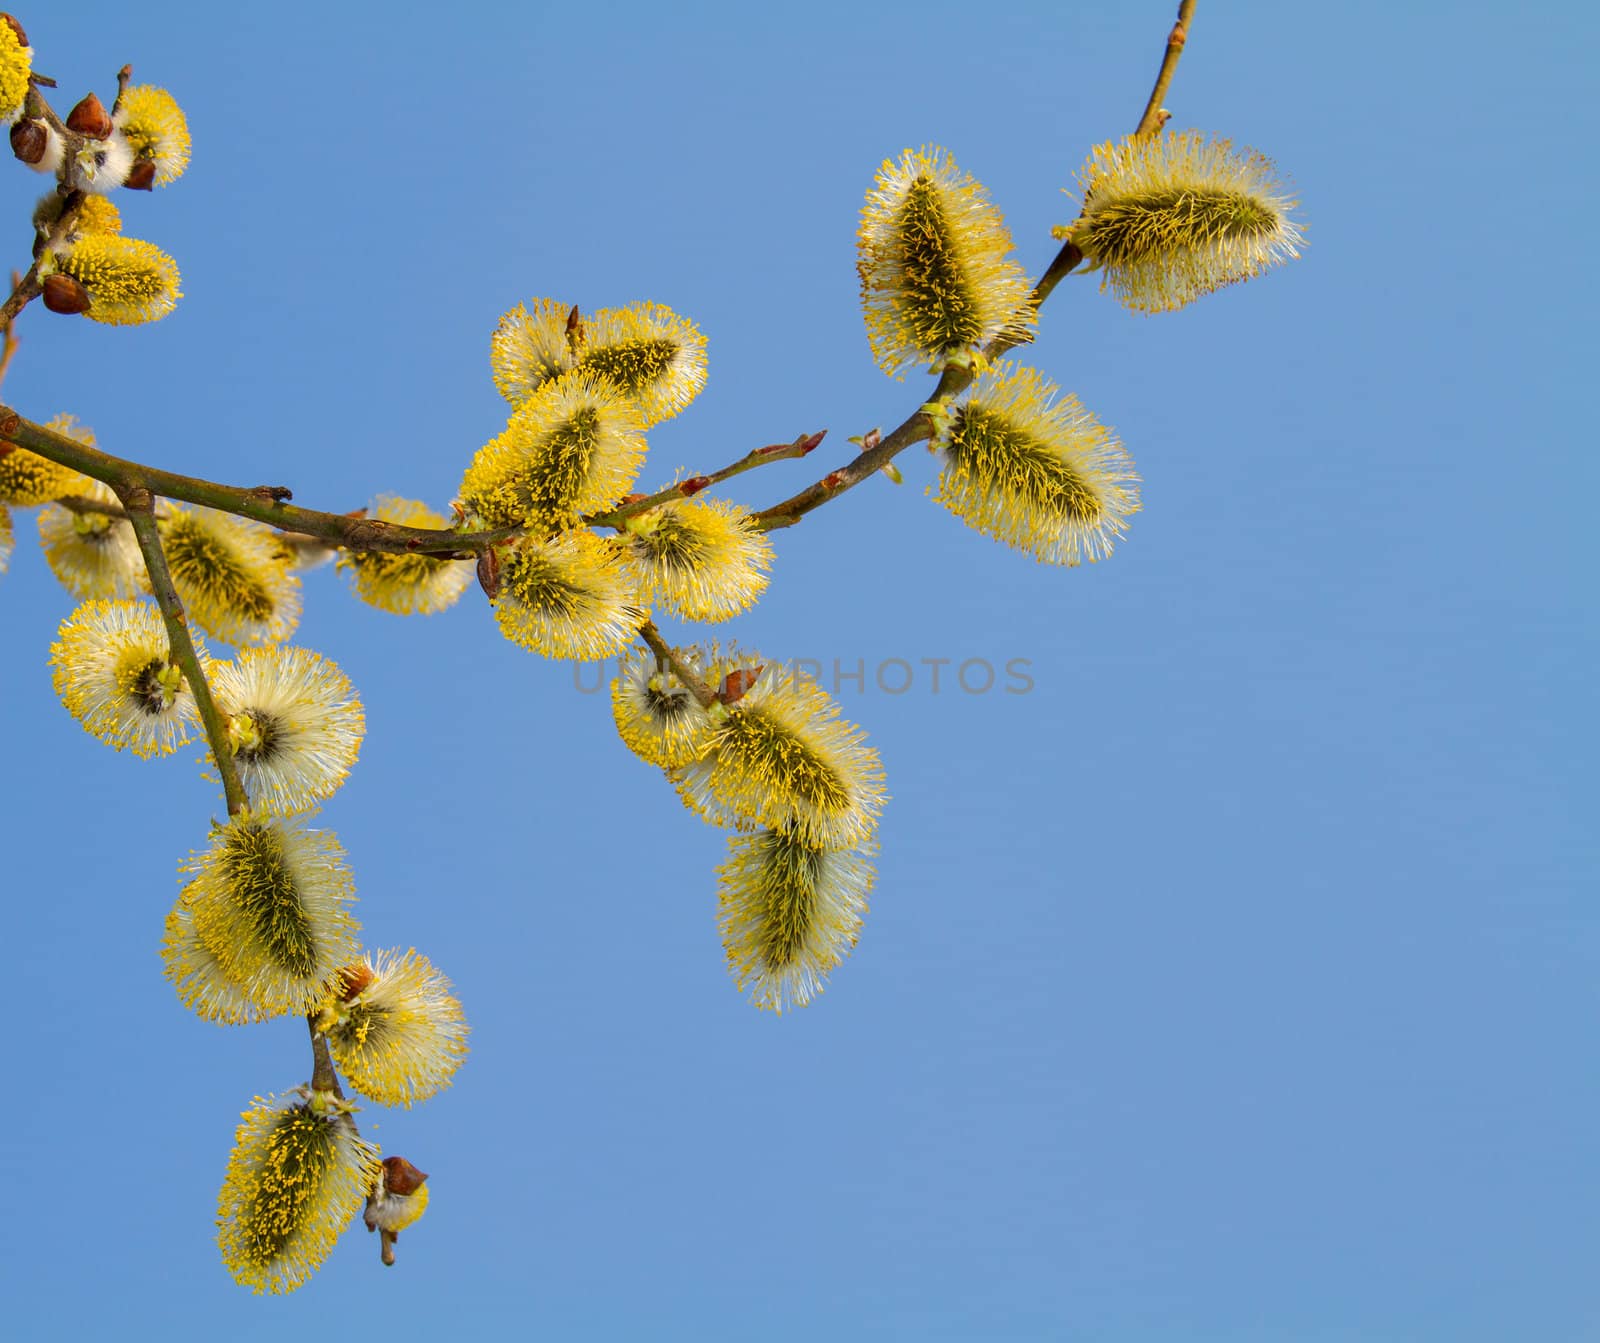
<point>1155,116</point>
<point>954,380</point>
<point>9,343</point>
<point>685,489</point>
<point>140,506</point>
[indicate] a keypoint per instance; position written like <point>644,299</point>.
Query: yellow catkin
<point>402,1037</point>
<point>155,126</point>
<point>566,598</point>
<point>129,281</point>
<point>933,254</point>
<point>1035,470</point>
<point>789,911</point>
<point>574,447</point>
<point>16,64</point>
<point>704,559</point>
<point>782,757</point>
<point>654,357</point>
<point>296,1176</point>
<point>1171,217</point>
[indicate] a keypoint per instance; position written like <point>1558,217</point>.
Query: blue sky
<point>1238,982</point>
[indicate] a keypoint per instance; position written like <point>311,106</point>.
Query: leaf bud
<point>353,980</point>
<point>63,294</point>
<point>400,1176</point>
<point>737,682</point>
<point>142,176</point>
<point>28,141</point>
<point>90,118</point>
<point>489,572</point>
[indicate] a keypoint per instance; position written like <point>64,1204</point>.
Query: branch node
<point>277,494</point>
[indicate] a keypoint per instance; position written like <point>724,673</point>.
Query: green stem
<point>140,507</point>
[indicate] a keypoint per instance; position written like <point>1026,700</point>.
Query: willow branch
<point>685,489</point>
<point>703,693</point>
<point>263,503</point>
<point>918,427</point>
<point>140,506</point>
<point>1155,116</point>
<point>9,342</point>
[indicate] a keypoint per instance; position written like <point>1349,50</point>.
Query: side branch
<point>262,503</point>
<point>703,693</point>
<point>685,489</point>
<point>954,379</point>
<point>140,506</point>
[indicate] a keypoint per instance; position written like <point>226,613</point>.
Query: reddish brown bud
<point>807,442</point>
<point>737,683</point>
<point>489,572</point>
<point>142,176</point>
<point>64,294</point>
<point>10,22</point>
<point>691,487</point>
<point>90,118</point>
<point>400,1176</point>
<point>833,480</point>
<point>28,141</point>
<point>354,979</point>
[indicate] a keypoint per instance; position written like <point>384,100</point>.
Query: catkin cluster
<point>575,564</point>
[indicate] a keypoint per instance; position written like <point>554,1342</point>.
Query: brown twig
<point>685,489</point>
<point>1155,115</point>
<point>140,506</point>
<point>9,342</point>
<point>954,380</point>
<point>703,693</point>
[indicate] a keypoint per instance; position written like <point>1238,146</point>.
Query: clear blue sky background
<point>1237,983</point>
